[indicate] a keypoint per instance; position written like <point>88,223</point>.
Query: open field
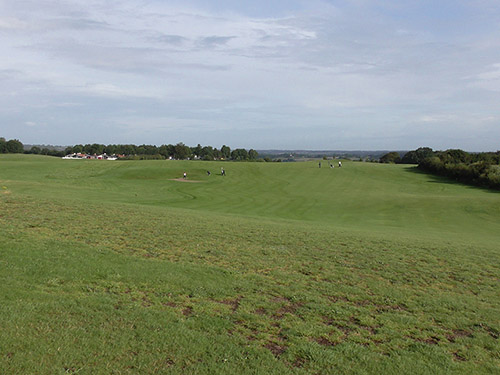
<point>118,268</point>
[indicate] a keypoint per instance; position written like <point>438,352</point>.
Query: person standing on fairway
<point>185,175</point>
<point>340,164</point>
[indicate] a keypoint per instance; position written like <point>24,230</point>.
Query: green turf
<point>116,268</point>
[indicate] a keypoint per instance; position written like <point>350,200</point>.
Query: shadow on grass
<point>435,179</point>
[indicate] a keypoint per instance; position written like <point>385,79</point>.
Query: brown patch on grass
<point>458,357</point>
<point>491,331</point>
<point>275,348</point>
<point>287,309</point>
<point>382,308</point>
<point>335,299</point>
<point>188,311</point>
<point>299,362</point>
<point>146,302</point>
<point>363,303</point>
<point>458,333</point>
<point>170,304</point>
<point>433,340</point>
<point>279,299</point>
<point>324,341</point>
<point>346,330</point>
<point>260,311</point>
<point>169,362</point>
<point>234,303</point>
<point>343,328</point>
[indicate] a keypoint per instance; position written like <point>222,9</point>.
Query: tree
<point>141,150</point>
<point>3,145</point>
<point>252,154</point>
<point>196,150</point>
<point>110,149</point>
<point>14,146</point>
<point>415,157</point>
<point>455,156</point>
<point>391,157</point>
<point>181,151</point>
<point>127,149</point>
<point>216,153</point>
<point>239,154</point>
<point>207,153</point>
<point>77,149</point>
<point>225,152</point>
<point>164,150</point>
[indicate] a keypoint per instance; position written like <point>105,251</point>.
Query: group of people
<point>331,165</point>
<point>222,173</point>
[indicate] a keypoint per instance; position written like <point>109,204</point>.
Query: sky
<point>262,74</point>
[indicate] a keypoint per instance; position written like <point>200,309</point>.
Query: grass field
<point>277,268</point>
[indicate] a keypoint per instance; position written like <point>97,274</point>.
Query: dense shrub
<point>391,157</point>
<point>415,157</point>
<point>480,169</point>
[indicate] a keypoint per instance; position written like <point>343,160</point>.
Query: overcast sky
<point>282,74</point>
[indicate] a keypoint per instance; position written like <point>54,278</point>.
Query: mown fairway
<point>116,268</point>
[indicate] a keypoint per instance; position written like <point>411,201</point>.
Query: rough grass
<point>112,268</point>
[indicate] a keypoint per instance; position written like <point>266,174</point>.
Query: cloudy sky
<point>282,74</point>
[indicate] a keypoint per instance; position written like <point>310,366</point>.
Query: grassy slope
<point>274,269</point>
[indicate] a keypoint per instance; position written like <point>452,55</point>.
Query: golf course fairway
<point>124,267</point>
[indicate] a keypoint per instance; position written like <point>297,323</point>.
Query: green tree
<point>207,153</point>
<point>164,151</point>
<point>415,157</point>
<point>197,151</point>
<point>78,149</point>
<point>182,151</point>
<point>239,154</point>
<point>3,145</point>
<point>14,146</point>
<point>252,154</point>
<point>110,149</point>
<point>390,157</point>
<point>36,150</point>
<point>225,152</point>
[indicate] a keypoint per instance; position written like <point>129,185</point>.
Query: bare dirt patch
<point>234,303</point>
<point>184,180</point>
<point>275,348</point>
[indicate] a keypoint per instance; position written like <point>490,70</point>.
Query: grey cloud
<point>176,40</point>
<point>75,24</point>
<point>214,41</point>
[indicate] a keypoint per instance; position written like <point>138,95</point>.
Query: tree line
<point>178,151</point>
<point>479,169</point>
<point>129,151</point>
